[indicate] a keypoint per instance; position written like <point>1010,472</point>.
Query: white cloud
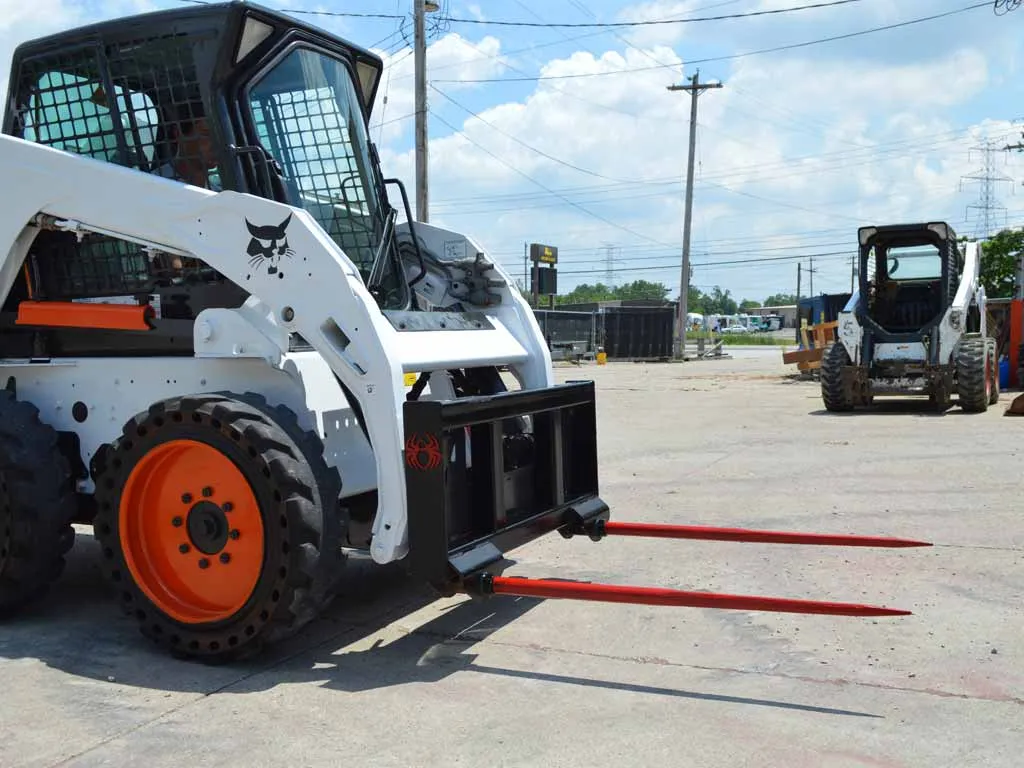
<point>452,58</point>
<point>793,147</point>
<point>657,10</point>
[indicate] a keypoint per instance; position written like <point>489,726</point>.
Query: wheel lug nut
<point>228,506</point>
<point>225,557</point>
<point>207,491</point>
<point>186,498</point>
<point>183,548</point>
<point>204,563</point>
<point>234,534</point>
<point>176,522</point>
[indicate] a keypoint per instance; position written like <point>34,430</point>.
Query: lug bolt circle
<point>177,522</point>
<point>227,506</point>
<point>204,563</point>
<point>207,491</point>
<point>186,498</point>
<point>183,548</point>
<point>235,534</point>
<point>225,558</point>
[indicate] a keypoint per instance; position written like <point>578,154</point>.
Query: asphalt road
<point>394,677</point>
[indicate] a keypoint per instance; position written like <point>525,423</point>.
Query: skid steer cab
<point>916,326</point>
<point>210,308</point>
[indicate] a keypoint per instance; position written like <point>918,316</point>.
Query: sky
<point>569,136</point>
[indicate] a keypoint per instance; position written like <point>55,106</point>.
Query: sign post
<point>545,280</point>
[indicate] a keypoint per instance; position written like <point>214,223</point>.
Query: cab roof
<point>229,15</point>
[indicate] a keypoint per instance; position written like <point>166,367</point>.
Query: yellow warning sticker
<point>410,379</point>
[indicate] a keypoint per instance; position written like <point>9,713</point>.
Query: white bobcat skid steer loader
<point>208,313</point>
<point>916,325</point>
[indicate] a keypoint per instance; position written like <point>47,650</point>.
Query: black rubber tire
<point>37,504</point>
<point>993,352</point>
<point>297,497</point>
<point>832,392</point>
<point>973,374</point>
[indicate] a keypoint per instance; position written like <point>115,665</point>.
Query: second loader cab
<point>226,96</point>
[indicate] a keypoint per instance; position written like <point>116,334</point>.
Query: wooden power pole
<point>695,88</point>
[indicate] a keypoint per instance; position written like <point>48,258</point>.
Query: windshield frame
<point>387,262</point>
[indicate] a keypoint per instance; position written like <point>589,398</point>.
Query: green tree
<point>780,300</point>
<point>695,301</point>
<point>1000,256</point>
<point>719,302</point>
<point>748,304</point>
<point>641,289</point>
<point>586,294</point>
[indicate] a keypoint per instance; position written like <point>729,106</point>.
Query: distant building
<point>787,312</point>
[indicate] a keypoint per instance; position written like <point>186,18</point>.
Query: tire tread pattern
<point>37,504</point>
<point>832,392</point>
<point>971,364</point>
<point>298,570</point>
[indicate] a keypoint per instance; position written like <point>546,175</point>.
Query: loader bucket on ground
<point>1016,406</point>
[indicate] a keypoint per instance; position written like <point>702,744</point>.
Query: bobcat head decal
<point>269,244</point>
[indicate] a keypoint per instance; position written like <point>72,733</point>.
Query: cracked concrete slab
<point>393,676</point>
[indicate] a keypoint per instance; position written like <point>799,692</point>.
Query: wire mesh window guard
<point>307,116</point>
<point>135,103</point>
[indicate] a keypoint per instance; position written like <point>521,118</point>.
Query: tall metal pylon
<point>987,205</point>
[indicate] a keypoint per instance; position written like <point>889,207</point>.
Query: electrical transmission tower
<point>987,176</point>
<point>609,264</point>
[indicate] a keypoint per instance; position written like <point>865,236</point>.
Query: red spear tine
<point>746,535</point>
<point>609,593</point>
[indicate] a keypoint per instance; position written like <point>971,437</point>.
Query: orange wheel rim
<point>191,532</point>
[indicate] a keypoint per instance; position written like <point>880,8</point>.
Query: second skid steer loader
<point>208,308</point>
<point>916,325</point>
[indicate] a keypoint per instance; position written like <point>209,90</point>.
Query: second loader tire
<point>836,398</point>
<point>219,524</point>
<point>994,364</point>
<point>37,505</point>
<point>973,374</point>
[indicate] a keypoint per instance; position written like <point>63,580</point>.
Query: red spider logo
<point>423,452</point>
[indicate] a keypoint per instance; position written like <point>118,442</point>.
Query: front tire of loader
<point>37,505</point>
<point>973,374</point>
<point>218,533</point>
<point>836,397</point>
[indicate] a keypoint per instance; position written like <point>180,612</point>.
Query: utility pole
<point>798,266</point>
<point>420,64</point>
<point>811,270</point>
<point>695,88</point>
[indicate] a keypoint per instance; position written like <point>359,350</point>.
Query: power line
<point>550,25</point>
<point>776,49</point>
<point>534,149</point>
<point>547,189</point>
<point>653,22</point>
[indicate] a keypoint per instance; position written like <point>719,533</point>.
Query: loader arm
<point>315,290</point>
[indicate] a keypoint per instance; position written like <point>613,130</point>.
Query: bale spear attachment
<point>601,528</point>
<point>479,486</point>
<point>486,585</point>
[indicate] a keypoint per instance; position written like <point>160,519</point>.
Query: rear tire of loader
<point>973,374</point>
<point>993,351</point>
<point>219,524</point>
<point>37,505</point>
<point>835,396</point>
